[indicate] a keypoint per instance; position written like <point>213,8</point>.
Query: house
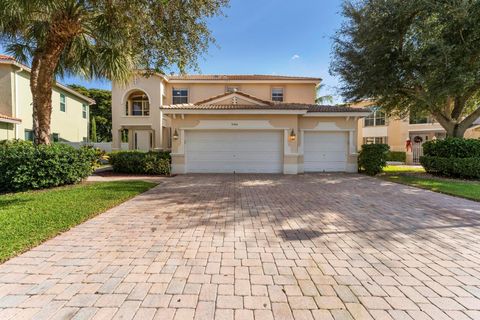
<point>236,123</point>
<point>69,120</point>
<point>379,128</point>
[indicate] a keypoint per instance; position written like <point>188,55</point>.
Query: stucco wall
<point>300,93</point>
<point>70,125</point>
<point>6,90</point>
<point>153,88</point>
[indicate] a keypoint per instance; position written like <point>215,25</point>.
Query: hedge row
<point>24,166</point>
<point>137,162</point>
<point>452,157</point>
<point>468,168</point>
<point>452,148</point>
<point>397,156</point>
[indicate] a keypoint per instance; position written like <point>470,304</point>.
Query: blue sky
<point>268,37</point>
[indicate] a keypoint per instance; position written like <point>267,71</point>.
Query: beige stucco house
<point>236,123</point>
<point>69,120</point>
<point>379,128</point>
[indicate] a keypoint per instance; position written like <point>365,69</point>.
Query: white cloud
<point>295,57</point>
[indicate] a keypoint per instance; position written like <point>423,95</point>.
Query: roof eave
<point>337,114</point>
<point>232,111</point>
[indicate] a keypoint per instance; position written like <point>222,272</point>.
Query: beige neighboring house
<point>378,128</point>
<point>69,120</point>
<point>236,123</point>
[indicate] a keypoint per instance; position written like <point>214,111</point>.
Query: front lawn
<point>29,218</point>
<point>415,176</point>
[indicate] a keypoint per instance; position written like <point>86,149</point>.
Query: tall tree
<point>93,130</point>
<point>413,56</point>
<point>101,110</point>
<point>101,38</point>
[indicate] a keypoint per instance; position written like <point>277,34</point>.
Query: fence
<point>417,151</point>
<point>105,146</point>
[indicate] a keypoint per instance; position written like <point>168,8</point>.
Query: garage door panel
<point>234,151</point>
<point>325,151</point>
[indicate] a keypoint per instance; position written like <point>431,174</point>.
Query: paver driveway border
<point>313,246</point>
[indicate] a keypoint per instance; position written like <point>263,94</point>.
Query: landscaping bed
<point>29,218</point>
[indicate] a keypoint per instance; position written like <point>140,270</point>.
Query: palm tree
<point>101,39</point>
<point>322,99</point>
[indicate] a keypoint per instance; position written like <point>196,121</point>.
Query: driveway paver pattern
<point>313,246</point>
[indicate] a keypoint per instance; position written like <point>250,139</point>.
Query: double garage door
<point>259,151</point>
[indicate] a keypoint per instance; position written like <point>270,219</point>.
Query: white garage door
<point>231,151</point>
<point>325,151</point>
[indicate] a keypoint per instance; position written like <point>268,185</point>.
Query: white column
<point>161,131</point>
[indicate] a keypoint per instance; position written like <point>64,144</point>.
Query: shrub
<point>138,162</point>
<point>397,156</point>
<point>452,157</point>
<point>468,168</point>
<point>452,148</point>
<point>373,158</point>
<point>24,166</point>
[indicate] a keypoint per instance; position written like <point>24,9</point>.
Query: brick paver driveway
<point>259,246</point>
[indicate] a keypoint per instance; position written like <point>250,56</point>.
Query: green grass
<point>397,169</point>
<point>415,177</point>
<point>29,218</point>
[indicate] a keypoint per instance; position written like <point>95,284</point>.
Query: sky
<point>281,37</point>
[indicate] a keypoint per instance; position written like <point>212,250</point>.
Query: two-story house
<point>236,123</point>
<point>69,121</point>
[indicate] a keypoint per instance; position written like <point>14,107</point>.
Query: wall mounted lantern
<point>175,135</point>
<point>292,136</point>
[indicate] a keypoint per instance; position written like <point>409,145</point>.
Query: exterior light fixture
<point>175,135</point>
<point>292,136</point>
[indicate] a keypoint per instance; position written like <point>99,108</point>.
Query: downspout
<point>17,107</point>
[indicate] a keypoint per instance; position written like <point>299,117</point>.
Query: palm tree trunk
<point>41,82</point>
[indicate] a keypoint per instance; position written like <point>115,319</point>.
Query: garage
<point>325,151</point>
<point>239,151</point>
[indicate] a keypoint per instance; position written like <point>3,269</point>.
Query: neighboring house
<point>236,123</point>
<point>69,120</point>
<point>378,128</point>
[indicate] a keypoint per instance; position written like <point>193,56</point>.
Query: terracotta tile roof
<point>226,94</point>
<point>340,108</point>
<point>230,77</point>
<point>233,107</point>
<point>5,57</point>
<point>271,106</point>
<point>5,117</point>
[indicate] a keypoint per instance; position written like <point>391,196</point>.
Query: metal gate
<point>417,151</point>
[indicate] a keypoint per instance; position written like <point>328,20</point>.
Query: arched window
<point>137,104</point>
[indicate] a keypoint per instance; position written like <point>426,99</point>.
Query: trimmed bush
<point>397,156</point>
<point>24,166</point>
<point>138,162</point>
<point>373,158</point>
<point>452,148</point>
<point>452,157</point>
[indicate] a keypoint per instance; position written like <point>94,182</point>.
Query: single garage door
<point>325,151</point>
<point>228,151</point>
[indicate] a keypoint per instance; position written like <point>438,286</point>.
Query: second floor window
<point>420,119</point>
<point>63,102</point>
<point>277,94</point>
<point>137,104</point>
<point>376,118</point>
<point>179,96</point>
<point>84,111</point>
